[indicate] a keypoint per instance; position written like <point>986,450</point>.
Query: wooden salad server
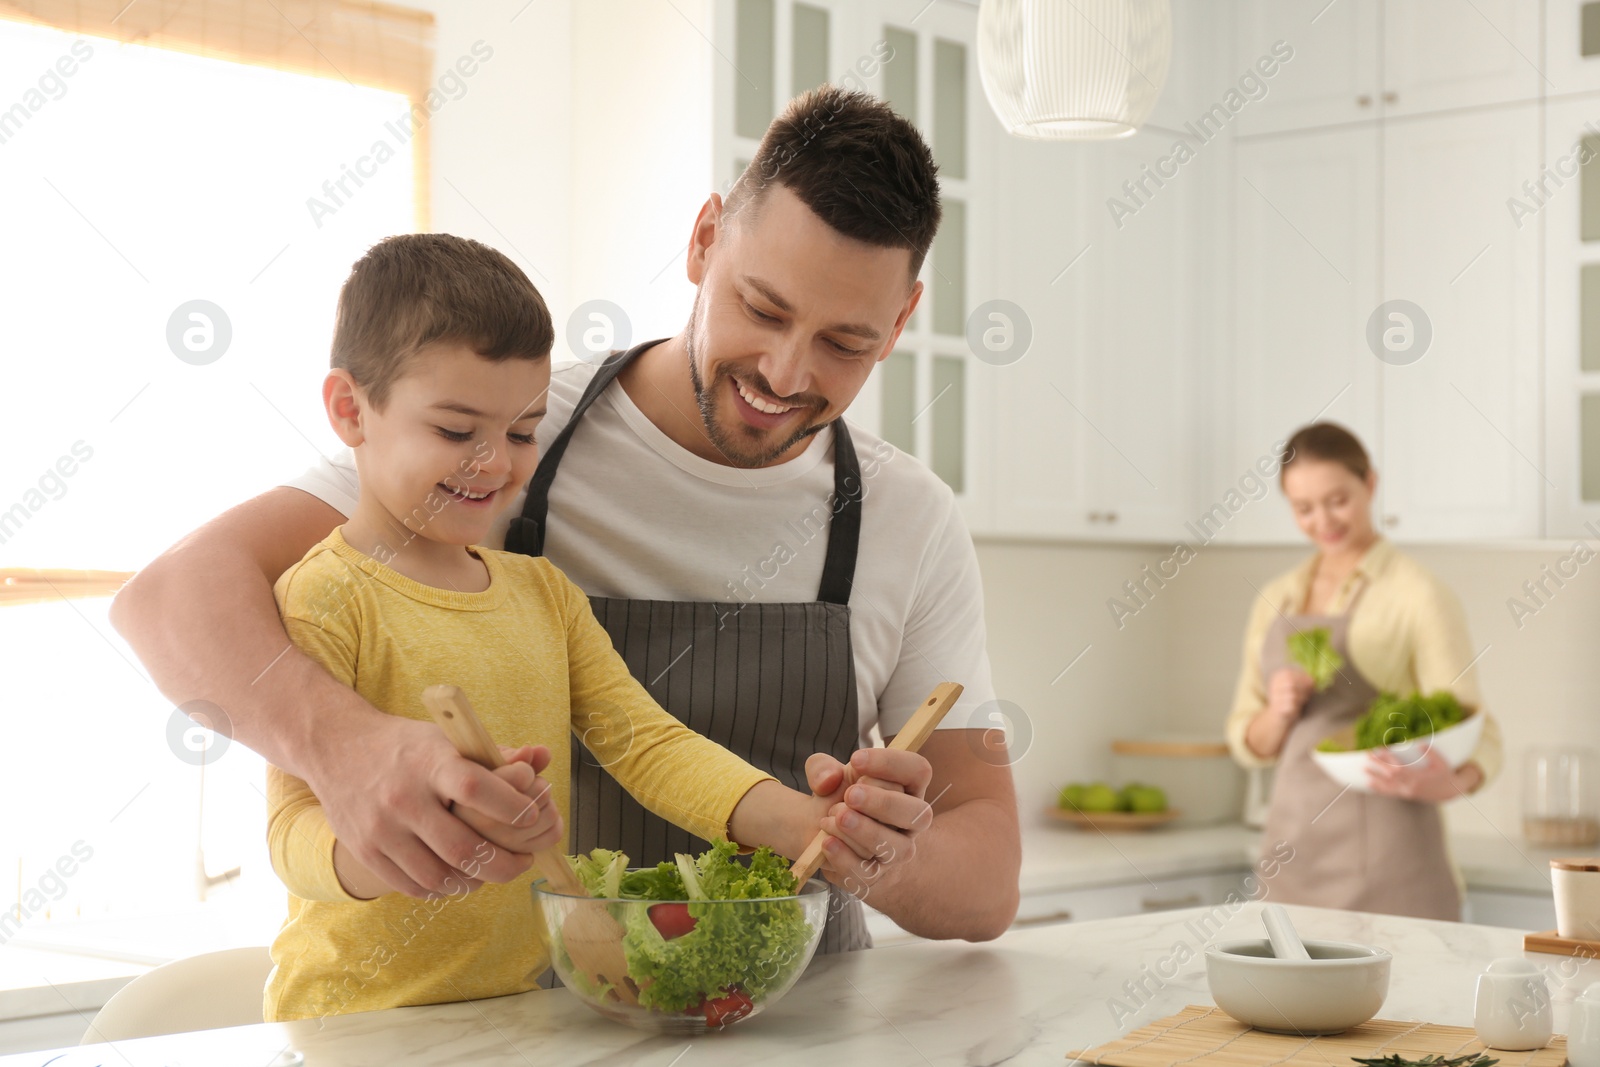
<point>922,724</point>
<point>590,935</point>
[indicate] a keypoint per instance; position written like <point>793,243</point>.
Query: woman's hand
<point>1287,693</point>
<point>1428,780</point>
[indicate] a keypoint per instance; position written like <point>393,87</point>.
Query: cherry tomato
<point>671,920</point>
<point>731,1008</point>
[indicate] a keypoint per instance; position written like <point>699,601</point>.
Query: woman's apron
<point>1352,850</point>
<point>772,683</point>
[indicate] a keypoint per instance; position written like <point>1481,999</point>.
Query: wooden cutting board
<point>1556,945</point>
<point>1202,1036</point>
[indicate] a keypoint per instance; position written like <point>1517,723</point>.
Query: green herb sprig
<point>1471,1059</point>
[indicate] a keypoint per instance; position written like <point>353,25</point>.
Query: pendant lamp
<point>1074,70</point>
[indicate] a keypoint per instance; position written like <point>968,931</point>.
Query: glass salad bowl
<point>691,965</point>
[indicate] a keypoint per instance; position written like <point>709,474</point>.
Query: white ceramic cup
<point>1513,1010</point>
<point>1577,890</point>
<point>1583,1037</point>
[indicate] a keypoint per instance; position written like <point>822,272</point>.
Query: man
<point>780,582</point>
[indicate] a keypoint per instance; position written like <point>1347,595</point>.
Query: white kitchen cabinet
<point>1038,471</point>
<point>1572,367</point>
<point>1097,418</point>
<point>1096,428</point>
<point>1304,283</point>
<point>1356,61</point>
<point>1572,47</point>
<point>1332,76</point>
<point>1133,405</point>
<point>1129,898</point>
<point>1460,448</point>
<point>1442,55</point>
<point>1520,911</point>
<point>1100,902</point>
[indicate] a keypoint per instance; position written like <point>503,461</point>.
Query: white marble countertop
<point>1063,857</point>
<point>1024,999</point>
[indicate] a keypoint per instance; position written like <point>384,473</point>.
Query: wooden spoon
<point>590,935</point>
<point>922,724</point>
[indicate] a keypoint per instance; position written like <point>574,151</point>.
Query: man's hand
<point>539,825</point>
<point>393,813</point>
<point>875,810</point>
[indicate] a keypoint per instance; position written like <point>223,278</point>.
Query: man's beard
<point>735,448</point>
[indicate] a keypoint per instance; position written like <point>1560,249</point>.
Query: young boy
<point>440,369</point>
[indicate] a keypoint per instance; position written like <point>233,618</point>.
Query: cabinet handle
<point>1390,97</point>
<point>1363,100</point>
<point>1111,516</point>
<point>1040,920</point>
<point>1189,900</point>
<point>1391,521</point>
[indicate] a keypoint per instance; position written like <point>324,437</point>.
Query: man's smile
<point>756,410</point>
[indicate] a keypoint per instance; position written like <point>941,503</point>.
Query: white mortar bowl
<point>1341,986</point>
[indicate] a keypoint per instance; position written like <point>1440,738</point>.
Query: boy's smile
<point>448,451</point>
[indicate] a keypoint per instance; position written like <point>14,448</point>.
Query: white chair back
<point>203,992</point>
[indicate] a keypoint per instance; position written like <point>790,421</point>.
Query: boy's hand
<point>538,825</point>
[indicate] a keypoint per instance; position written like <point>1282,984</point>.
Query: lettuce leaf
<point>1391,719</point>
<point>1313,652</point>
<point>600,871</point>
<point>754,945</point>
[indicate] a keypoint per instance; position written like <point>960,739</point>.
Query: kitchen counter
<point>1024,999</point>
<point>1056,857</point>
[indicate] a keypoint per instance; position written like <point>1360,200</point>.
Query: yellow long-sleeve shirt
<point>536,665</point>
<point>1408,633</point>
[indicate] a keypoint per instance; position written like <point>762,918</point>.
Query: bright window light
<point>139,183</point>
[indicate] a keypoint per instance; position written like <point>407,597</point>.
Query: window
<point>170,288</point>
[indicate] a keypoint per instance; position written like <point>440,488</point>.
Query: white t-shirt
<point>635,515</point>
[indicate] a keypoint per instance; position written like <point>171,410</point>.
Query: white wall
<point>499,169</point>
<point>1044,605</point>
<point>641,160</point>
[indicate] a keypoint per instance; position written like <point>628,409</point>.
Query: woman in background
<point>1399,629</point>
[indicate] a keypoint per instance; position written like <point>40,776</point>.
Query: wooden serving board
<point>1202,1036</point>
<point>1112,820</point>
<point>1551,942</point>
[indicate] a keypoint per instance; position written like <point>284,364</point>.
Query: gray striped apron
<point>772,683</point>
<point>1355,851</point>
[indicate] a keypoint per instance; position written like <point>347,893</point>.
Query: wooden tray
<point>1202,1036</point>
<point>1551,942</point>
<point>1112,820</point>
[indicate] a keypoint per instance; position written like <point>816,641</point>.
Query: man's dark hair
<point>858,166</point>
<point>419,289</point>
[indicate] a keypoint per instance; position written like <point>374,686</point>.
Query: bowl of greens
<point>709,941</point>
<point>1408,727</point>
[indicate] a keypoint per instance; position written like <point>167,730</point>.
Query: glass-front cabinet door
<point>926,398</point>
<point>1567,204</point>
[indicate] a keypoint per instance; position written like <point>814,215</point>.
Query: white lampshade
<point>1080,70</point>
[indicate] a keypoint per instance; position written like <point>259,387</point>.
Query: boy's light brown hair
<point>858,166</point>
<point>419,289</point>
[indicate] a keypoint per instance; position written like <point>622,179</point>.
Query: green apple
<point>1099,797</point>
<point>1070,797</point>
<point>1148,798</point>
